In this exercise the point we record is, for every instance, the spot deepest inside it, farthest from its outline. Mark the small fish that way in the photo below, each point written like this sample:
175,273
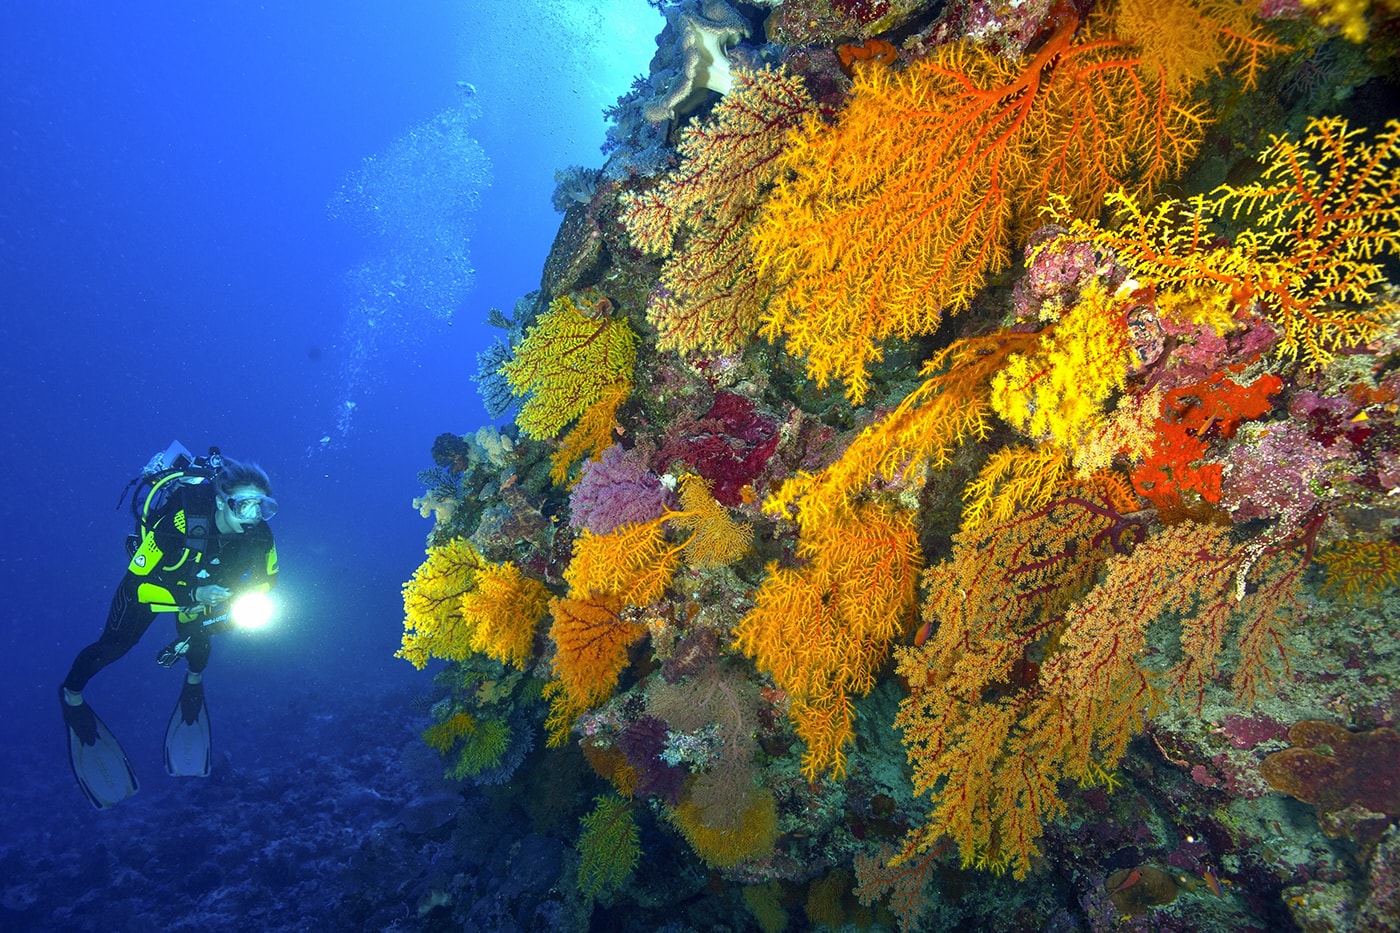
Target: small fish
1130,879
1212,882
923,633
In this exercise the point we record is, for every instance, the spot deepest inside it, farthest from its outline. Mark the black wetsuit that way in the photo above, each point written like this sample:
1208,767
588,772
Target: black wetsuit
165,570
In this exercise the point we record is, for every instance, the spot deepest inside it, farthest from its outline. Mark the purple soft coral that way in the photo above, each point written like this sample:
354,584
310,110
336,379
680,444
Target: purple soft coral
641,743
616,490
1280,474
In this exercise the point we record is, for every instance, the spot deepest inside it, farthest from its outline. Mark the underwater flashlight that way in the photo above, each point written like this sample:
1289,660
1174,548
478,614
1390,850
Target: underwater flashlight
251,610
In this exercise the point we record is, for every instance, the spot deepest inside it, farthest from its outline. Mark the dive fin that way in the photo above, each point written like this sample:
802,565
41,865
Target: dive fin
99,764
187,745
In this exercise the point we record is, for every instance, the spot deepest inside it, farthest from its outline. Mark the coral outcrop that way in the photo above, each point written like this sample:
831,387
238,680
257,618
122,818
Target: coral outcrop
988,427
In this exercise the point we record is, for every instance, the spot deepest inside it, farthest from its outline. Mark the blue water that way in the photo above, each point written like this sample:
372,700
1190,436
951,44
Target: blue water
276,228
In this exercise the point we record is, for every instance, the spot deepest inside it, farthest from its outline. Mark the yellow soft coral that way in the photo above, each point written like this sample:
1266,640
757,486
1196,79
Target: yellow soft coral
566,363
1059,392
1352,17
711,293
458,604
1315,229
503,611
823,629
753,835
899,211
432,602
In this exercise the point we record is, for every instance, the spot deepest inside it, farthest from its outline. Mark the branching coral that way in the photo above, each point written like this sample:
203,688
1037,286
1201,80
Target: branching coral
567,363
616,489
608,846
710,294
458,603
853,597
991,730
1317,224
898,212
432,601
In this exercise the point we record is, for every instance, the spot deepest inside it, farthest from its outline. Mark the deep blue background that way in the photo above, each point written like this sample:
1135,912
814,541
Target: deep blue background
169,270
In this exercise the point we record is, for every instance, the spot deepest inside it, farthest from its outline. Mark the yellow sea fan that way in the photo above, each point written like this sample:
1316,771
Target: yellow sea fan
1360,571
593,434
716,539
565,364
1315,229
632,564
1014,479
504,610
443,735
1188,41
753,836
433,622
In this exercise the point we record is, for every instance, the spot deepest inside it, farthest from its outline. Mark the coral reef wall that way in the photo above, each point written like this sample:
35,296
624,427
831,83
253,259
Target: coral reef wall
953,478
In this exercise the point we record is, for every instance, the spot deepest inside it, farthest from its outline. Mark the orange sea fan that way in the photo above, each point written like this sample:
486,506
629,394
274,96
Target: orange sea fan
899,211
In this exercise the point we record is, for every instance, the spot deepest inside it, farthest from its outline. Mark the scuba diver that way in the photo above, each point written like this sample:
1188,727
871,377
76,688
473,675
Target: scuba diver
201,543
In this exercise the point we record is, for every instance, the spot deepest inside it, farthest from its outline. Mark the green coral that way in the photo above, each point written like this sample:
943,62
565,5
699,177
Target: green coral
608,847
472,722
482,749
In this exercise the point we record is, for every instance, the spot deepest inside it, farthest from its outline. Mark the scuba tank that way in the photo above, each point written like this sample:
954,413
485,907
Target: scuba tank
162,475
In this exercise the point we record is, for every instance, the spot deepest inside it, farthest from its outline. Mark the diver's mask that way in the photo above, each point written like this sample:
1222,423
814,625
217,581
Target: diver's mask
248,509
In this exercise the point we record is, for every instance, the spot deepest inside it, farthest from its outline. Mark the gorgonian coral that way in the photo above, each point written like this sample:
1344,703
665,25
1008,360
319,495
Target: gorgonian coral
615,490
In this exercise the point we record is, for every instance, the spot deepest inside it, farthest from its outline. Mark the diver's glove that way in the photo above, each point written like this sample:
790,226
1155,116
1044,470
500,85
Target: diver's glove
211,595
173,651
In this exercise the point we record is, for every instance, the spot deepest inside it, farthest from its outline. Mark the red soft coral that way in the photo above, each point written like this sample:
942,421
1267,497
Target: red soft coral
729,445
